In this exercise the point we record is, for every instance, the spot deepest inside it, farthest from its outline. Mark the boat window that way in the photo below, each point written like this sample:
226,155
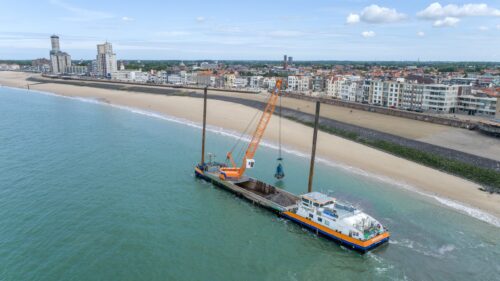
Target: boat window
327,222
316,205
320,219
305,201
311,216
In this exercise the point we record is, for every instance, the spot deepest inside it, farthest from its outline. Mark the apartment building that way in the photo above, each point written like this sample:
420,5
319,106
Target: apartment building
478,103
412,96
59,60
298,83
332,87
303,84
106,60
268,83
376,93
292,83
318,83
440,98
385,93
77,69
256,82
229,80
130,76
240,82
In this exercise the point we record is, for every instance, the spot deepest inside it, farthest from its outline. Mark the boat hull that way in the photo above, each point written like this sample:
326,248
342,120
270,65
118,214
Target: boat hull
349,242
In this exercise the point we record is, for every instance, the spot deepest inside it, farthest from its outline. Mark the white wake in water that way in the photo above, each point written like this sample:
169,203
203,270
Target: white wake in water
463,208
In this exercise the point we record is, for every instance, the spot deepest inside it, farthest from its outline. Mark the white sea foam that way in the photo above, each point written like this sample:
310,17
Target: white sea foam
459,206
446,248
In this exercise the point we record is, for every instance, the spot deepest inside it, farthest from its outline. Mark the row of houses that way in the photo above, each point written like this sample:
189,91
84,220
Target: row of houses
410,95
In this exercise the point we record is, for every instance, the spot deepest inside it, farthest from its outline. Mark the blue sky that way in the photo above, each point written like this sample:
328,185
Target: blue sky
254,30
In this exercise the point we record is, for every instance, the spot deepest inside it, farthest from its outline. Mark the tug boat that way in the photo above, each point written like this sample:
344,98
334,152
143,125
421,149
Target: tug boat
318,212
338,221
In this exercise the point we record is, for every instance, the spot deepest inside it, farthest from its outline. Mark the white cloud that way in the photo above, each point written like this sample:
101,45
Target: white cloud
376,14
127,19
446,22
483,28
368,34
436,11
352,18
200,19
420,34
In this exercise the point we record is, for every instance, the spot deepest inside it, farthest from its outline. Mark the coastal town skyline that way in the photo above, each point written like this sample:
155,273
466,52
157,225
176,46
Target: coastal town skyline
363,30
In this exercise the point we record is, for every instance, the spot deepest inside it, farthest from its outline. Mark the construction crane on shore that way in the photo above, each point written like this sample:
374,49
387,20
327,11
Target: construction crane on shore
235,172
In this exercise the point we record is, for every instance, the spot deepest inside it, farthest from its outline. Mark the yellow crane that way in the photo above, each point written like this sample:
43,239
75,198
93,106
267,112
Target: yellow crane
235,172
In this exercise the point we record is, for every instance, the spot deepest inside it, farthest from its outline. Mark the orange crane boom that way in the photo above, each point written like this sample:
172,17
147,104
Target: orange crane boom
237,172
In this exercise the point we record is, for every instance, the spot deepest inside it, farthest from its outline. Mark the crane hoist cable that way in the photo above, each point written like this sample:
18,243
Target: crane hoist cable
280,173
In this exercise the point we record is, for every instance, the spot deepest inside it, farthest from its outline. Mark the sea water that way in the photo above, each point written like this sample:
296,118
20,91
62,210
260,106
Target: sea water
90,191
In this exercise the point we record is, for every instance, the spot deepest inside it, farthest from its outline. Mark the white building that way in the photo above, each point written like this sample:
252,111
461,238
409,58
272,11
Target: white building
229,80
240,82
440,98
130,76
292,83
303,84
412,96
77,69
173,79
348,88
59,61
268,83
256,82
385,93
477,103
298,83
9,67
106,60
394,90
332,87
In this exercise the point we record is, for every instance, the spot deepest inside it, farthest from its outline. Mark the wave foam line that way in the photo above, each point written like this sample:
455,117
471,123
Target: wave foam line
459,206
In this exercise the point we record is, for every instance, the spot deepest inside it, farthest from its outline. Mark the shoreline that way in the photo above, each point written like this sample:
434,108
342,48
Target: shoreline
446,189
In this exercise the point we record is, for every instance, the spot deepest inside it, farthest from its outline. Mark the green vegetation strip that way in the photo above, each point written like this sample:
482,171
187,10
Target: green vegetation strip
490,179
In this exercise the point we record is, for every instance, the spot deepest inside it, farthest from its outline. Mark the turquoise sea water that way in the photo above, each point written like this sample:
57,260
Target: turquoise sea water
92,192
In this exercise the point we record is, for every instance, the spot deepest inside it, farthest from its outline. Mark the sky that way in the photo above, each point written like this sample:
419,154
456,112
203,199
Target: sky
255,30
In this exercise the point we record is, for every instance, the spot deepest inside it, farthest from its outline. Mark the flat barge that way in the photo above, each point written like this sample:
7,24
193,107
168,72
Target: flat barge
319,213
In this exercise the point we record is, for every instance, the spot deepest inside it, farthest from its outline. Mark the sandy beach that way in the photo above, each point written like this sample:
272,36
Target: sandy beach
236,117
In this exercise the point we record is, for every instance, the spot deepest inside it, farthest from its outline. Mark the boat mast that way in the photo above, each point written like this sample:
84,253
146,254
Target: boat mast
204,125
313,153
